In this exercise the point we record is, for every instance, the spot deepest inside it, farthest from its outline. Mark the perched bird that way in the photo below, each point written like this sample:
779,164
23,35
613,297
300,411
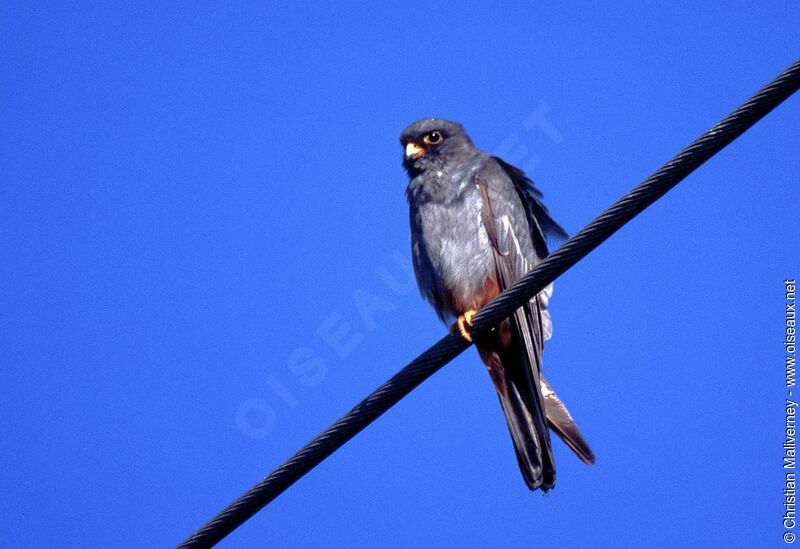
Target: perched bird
477,225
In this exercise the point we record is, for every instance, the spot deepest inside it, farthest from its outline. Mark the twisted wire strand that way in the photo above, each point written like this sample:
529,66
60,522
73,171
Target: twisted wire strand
450,346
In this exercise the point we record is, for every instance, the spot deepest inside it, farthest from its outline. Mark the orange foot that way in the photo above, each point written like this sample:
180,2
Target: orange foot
463,324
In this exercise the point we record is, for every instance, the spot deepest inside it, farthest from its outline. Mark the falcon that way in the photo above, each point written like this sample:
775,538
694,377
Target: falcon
478,224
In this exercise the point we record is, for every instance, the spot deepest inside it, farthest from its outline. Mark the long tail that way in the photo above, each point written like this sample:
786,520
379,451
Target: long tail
513,360
529,402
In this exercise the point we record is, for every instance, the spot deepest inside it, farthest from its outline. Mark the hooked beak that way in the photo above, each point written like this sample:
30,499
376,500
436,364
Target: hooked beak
413,151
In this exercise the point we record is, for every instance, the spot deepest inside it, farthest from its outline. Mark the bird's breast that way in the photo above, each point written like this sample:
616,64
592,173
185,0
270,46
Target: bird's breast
458,250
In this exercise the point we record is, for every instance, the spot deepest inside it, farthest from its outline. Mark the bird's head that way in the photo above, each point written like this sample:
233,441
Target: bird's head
430,143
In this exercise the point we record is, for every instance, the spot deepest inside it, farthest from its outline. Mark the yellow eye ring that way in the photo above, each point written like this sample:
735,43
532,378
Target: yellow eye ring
432,138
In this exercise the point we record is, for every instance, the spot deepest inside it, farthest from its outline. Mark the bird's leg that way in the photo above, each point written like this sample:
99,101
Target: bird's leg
463,325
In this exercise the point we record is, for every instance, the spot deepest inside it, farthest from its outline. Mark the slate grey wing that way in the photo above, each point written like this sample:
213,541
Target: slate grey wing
515,219
543,228
514,354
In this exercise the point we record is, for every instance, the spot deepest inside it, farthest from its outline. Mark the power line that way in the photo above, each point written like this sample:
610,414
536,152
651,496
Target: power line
450,346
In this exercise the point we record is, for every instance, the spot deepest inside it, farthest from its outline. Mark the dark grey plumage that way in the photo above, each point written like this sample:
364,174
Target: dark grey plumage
477,225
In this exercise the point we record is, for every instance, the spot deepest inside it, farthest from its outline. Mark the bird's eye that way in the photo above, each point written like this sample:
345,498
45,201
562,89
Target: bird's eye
432,138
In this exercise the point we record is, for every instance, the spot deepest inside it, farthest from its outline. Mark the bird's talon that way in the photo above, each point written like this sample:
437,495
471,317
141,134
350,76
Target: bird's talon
464,323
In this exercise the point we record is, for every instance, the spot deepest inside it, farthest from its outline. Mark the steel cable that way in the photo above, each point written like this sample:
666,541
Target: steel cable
450,346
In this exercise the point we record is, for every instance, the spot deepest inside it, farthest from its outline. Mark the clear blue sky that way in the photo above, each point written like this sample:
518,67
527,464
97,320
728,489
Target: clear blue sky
191,195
